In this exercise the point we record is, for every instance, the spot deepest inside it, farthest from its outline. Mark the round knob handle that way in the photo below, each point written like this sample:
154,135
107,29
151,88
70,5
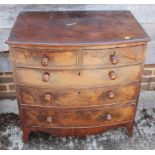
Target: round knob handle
44,61
114,59
108,117
46,77
110,95
26,53
47,97
112,75
49,119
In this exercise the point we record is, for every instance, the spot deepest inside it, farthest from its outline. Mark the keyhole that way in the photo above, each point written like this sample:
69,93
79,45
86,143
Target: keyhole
79,92
114,53
44,56
79,73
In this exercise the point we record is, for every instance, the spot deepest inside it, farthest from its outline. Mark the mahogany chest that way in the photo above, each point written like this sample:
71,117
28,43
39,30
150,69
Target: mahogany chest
77,73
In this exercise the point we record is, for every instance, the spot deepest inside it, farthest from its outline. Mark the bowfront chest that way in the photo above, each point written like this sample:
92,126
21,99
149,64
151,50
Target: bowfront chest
77,73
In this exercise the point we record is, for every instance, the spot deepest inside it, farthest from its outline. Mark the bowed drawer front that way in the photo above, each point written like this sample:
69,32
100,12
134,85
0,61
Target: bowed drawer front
79,97
38,58
104,57
78,78
77,118
77,73
114,56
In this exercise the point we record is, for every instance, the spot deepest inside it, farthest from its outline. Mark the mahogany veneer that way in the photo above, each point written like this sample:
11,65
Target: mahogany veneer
77,73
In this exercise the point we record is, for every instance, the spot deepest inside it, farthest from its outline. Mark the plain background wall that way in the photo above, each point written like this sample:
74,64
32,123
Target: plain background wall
145,14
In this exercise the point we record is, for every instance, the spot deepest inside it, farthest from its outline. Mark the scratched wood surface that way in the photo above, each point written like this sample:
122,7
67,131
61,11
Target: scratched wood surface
68,28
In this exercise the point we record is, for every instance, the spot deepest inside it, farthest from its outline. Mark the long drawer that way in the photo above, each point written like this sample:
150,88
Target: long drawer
78,97
77,118
78,78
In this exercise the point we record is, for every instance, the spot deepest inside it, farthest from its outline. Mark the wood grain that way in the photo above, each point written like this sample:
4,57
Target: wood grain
77,73
127,55
34,57
78,28
76,118
78,78
78,97
57,58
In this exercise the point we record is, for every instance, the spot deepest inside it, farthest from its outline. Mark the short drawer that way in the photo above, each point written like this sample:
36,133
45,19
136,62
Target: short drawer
78,78
41,58
77,118
111,57
78,97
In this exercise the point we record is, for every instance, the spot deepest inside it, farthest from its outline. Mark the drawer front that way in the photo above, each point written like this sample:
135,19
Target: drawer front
43,57
78,78
77,118
117,56
78,97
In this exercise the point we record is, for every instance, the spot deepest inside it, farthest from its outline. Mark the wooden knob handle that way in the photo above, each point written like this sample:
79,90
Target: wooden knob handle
114,59
26,53
110,94
104,117
112,75
108,117
49,119
46,77
44,61
47,97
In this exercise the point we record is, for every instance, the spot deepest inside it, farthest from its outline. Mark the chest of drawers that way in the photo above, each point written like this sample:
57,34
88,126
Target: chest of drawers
77,73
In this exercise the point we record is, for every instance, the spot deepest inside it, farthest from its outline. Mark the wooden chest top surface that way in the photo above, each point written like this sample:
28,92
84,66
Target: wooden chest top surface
74,28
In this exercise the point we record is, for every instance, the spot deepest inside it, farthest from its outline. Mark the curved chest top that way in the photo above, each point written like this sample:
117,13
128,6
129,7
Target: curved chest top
74,28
